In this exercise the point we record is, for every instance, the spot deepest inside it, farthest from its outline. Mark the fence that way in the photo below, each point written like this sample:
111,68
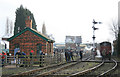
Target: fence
36,60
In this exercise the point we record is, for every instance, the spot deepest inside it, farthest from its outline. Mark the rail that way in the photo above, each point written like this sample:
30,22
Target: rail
96,67
86,71
109,69
60,68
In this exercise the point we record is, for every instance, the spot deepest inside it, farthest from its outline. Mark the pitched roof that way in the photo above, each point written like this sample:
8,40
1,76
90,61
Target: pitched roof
33,31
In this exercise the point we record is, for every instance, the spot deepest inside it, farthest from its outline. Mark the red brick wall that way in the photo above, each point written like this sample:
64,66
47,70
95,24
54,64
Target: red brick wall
28,41
50,48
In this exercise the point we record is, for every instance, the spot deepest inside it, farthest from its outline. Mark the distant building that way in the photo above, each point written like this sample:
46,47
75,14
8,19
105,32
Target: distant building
30,39
2,46
59,45
71,42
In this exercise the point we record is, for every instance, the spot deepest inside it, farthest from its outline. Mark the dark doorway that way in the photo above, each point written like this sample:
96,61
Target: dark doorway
39,48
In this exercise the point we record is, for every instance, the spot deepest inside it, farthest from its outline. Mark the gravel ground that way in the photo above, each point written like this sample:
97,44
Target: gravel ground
116,73
80,67
76,68
52,68
102,69
11,71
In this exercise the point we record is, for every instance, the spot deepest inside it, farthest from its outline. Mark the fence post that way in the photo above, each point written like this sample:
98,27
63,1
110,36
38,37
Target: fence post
24,61
60,57
40,58
16,61
57,58
5,59
32,60
50,59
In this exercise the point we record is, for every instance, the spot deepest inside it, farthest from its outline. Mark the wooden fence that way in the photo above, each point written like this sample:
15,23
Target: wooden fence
34,60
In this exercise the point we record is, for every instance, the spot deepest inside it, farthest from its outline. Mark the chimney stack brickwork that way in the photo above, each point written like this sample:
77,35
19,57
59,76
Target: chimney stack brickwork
28,22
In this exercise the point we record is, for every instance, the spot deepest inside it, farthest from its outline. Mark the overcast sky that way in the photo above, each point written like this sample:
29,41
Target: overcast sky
66,17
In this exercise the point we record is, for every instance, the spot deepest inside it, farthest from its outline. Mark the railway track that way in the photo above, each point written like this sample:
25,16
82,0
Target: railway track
110,70
56,69
48,69
39,70
76,68
49,72
68,70
98,71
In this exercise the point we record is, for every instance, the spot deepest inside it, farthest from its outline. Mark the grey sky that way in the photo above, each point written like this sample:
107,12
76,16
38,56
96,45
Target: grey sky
65,17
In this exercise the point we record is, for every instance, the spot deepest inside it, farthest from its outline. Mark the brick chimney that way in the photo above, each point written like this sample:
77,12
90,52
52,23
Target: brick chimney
28,22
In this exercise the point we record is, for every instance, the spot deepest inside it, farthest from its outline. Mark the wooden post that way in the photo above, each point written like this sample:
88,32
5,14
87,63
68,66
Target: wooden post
57,58
32,60
5,60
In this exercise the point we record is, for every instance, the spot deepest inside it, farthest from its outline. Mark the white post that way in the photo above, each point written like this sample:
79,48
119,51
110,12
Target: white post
93,41
94,36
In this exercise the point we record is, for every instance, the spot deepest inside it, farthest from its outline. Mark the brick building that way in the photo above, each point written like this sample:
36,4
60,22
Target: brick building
30,39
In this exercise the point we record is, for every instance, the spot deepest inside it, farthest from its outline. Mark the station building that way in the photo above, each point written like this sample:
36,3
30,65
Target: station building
30,39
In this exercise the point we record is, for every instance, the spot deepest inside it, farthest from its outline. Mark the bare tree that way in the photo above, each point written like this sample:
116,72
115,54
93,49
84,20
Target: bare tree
7,27
44,29
11,27
114,28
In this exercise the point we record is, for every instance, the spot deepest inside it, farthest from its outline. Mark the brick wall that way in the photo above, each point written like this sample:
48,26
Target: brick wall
28,41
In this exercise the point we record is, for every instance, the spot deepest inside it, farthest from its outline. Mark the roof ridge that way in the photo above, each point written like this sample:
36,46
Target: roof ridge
41,34
33,31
